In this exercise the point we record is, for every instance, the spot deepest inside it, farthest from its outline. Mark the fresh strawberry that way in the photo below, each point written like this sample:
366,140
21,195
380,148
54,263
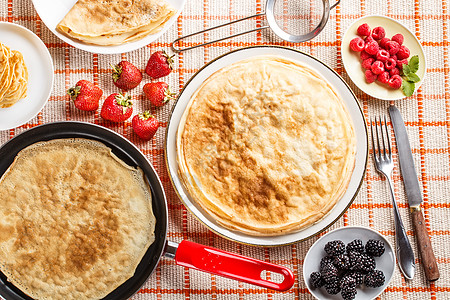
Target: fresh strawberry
145,125
158,93
85,95
159,65
117,107
125,75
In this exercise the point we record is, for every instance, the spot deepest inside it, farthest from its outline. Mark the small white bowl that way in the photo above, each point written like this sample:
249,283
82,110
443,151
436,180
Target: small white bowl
352,62
385,262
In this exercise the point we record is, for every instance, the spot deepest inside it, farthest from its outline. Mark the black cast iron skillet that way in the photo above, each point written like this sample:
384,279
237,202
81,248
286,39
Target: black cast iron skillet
186,253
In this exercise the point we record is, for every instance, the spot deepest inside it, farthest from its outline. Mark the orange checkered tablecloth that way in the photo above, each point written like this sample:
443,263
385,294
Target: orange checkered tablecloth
427,116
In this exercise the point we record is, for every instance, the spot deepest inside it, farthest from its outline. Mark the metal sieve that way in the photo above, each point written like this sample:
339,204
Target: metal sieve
293,21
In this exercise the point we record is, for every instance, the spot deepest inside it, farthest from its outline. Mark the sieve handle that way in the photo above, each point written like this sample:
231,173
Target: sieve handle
178,49
335,4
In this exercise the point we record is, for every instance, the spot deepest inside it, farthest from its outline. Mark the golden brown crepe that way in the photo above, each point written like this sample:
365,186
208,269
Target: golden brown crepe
266,146
114,22
75,220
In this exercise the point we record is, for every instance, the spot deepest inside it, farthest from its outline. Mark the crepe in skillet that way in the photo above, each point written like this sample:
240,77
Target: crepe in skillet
75,220
114,22
266,146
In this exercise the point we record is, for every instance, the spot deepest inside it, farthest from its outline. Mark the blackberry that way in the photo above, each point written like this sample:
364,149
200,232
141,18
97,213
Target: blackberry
342,262
329,273
366,264
355,245
348,283
325,260
332,287
359,277
349,294
375,247
374,279
354,260
316,280
334,248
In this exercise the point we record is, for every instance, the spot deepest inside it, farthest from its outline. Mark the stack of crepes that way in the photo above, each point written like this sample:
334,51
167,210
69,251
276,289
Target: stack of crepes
266,146
13,76
114,22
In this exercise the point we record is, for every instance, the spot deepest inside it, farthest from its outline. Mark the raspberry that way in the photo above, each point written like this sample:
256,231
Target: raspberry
395,82
377,67
394,57
383,42
378,33
392,47
357,44
402,62
382,55
364,55
363,30
390,64
370,77
369,39
383,77
403,52
394,71
398,38
371,48
367,64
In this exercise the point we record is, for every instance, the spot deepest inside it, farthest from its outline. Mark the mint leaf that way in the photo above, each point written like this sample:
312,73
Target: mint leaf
414,64
408,87
406,70
413,77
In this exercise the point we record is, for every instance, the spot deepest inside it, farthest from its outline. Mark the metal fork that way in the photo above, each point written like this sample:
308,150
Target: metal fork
384,164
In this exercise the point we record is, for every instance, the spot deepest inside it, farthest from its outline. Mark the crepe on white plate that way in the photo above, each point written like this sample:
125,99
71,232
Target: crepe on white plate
266,146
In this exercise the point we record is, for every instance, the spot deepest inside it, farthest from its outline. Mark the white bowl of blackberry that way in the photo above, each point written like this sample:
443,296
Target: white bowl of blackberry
349,263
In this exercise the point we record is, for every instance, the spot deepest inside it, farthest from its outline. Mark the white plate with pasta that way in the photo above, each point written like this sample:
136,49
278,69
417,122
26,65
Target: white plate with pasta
39,84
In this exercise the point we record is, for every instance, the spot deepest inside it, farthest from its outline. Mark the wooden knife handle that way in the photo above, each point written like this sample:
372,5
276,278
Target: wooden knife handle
426,251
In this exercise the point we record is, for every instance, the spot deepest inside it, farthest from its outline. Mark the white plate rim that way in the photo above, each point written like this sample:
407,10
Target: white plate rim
388,247
352,75
205,219
47,61
115,49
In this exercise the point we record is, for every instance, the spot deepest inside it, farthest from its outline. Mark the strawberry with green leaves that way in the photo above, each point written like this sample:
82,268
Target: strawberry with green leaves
158,93
145,125
117,107
125,75
85,95
159,65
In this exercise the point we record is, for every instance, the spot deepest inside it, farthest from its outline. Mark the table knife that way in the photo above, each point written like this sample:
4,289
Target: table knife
413,194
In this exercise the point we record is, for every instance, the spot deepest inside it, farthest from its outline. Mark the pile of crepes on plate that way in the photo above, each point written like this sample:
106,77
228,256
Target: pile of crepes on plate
110,22
266,146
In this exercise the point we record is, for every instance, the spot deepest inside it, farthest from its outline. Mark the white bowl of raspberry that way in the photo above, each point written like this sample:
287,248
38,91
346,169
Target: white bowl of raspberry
383,58
348,263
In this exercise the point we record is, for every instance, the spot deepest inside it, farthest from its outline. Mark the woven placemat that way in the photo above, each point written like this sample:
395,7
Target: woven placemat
426,113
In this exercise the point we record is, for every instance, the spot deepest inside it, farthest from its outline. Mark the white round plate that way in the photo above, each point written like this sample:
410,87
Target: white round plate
40,74
52,12
385,262
356,116
352,62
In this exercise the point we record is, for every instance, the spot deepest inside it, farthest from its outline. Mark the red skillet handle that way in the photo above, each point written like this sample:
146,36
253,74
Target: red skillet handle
234,266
